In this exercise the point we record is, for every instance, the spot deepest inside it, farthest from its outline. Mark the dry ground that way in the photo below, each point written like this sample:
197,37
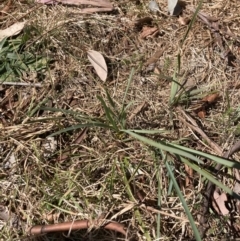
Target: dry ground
84,175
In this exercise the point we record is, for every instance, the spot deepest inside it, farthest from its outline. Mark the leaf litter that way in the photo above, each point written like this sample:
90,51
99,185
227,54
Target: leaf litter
27,119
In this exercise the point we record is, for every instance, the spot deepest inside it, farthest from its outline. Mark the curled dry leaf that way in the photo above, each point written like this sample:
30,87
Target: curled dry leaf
101,5
15,29
98,63
220,200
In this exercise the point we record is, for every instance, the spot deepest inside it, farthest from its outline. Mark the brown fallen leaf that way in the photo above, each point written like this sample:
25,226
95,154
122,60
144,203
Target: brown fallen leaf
219,203
201,106
211,98
148,31
99,64
98,3
201,114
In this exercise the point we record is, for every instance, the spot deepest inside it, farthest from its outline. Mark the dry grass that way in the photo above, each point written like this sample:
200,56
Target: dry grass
41,187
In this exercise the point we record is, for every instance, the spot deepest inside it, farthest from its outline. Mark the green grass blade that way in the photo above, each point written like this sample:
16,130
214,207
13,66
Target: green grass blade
159,195
126,91
208,176
150,131
112,103
75,127
190,218
109,113
221,160
36,108
163,146
2,42
174,88
192,21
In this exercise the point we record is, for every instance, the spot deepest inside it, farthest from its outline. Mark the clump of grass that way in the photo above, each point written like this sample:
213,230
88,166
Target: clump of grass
15,61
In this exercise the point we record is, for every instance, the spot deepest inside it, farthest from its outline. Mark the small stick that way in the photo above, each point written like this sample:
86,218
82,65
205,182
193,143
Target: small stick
21,84
195,127
75,225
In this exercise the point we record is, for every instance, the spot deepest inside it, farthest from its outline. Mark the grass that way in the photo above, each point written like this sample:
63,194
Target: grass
78,148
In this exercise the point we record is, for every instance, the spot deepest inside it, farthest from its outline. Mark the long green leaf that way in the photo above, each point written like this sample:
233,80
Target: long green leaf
192,21
111,101
109,113
163,146
75,127
221,160
150,131
195,230
174,88
126,91
210,178
185,151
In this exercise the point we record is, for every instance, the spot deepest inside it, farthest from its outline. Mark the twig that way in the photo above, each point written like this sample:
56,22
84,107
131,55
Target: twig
21,84
154,210
195,127
76,225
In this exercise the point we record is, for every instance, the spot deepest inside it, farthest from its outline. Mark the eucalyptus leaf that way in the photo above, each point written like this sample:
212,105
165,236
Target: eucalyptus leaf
173,7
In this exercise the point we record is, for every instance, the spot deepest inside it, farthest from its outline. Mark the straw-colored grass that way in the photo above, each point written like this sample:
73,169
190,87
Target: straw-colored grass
68,148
